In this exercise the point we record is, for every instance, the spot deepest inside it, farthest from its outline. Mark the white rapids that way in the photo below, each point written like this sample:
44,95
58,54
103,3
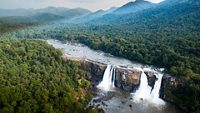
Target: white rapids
108,79
144,100
144,93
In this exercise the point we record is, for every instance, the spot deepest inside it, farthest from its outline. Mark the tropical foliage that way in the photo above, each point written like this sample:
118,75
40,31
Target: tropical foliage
34,78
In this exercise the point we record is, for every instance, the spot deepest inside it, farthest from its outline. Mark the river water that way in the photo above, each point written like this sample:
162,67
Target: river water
116,100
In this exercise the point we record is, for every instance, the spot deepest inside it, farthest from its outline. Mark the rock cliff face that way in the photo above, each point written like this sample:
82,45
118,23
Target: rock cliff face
151,78
127,79
96,70
170,87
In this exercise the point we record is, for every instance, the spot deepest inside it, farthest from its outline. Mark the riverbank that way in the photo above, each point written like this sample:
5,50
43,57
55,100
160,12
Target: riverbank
96,62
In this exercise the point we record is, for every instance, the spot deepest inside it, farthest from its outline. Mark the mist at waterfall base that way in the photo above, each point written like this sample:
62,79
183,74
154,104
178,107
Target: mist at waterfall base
115,100
144,93
108,79
144,100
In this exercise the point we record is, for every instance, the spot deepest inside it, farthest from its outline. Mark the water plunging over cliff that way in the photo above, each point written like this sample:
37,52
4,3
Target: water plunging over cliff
144,90
156,91
144,93
119,100
108,79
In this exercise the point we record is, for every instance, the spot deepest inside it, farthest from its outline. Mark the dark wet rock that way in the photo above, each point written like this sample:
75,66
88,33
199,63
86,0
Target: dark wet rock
98,106
104,104
96,100
127,79
130,106
123,102
151,78
170,87
96,70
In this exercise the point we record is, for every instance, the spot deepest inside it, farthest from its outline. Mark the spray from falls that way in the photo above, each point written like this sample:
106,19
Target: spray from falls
145,93
144,89
114,74
155,91
108,81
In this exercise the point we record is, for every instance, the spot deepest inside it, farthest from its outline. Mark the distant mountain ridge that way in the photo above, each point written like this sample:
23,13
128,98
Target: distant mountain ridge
102,16
65,12
94,15
44,14
134,7
15,12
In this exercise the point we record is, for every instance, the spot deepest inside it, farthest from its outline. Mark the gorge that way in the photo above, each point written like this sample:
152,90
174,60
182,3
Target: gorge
134,56
119,83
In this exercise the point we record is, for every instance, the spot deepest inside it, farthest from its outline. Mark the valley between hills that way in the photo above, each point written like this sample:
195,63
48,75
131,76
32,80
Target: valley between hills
131,58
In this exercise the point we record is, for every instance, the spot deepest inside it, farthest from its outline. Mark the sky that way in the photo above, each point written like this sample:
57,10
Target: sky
92,5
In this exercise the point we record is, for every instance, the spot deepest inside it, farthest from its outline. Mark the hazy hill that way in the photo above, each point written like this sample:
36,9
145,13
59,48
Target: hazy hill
65,12
113,14
93,15
12,19
135,6
15,12
104,16
50,11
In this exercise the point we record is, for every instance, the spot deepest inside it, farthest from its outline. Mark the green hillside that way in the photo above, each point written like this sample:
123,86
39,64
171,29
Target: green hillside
34,78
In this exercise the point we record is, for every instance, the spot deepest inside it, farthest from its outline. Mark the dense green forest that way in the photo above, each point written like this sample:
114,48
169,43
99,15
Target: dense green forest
177,53
180,56
12,24
34,78
164,36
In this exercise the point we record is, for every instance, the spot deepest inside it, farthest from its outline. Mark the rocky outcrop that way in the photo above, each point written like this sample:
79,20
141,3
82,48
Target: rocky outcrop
170,87
127,79
96,70
151,76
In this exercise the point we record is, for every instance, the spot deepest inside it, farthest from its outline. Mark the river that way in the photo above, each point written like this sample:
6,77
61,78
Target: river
116,100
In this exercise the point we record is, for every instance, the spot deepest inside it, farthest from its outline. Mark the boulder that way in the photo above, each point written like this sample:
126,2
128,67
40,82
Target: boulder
127,79
151,76
95,69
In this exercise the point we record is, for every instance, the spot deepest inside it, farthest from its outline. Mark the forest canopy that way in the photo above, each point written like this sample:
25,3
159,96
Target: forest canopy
34,78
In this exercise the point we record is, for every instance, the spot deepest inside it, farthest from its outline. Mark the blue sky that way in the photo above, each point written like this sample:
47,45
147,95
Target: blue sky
88,4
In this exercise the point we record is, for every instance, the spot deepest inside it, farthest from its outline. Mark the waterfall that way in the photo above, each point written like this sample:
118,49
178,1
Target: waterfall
144,92
144,89
113,81
156,91
108,79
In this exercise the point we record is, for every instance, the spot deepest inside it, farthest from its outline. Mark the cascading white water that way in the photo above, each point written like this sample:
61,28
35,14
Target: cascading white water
107,81
156,90
144,89
113,81
144,92
120,100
